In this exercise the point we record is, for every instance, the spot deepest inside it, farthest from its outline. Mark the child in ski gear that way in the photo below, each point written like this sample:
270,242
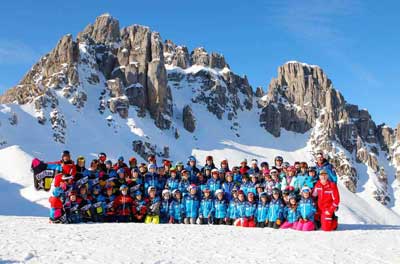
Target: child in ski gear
173,181
224,165
206,209
192,205
151,179
201,183
176,208
228,186
123,205
209,164
57,214
240,209
275,210
291,213
328,198
214,183
246,185
72,207
109,198
232,211
139,208
184,183
303,179
153,207
250,210
220,208
306,209
262,210
165,203
289,182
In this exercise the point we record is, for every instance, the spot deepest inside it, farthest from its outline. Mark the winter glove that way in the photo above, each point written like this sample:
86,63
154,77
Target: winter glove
278,222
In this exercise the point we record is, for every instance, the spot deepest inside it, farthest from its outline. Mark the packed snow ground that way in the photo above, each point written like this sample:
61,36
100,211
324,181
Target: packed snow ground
32,240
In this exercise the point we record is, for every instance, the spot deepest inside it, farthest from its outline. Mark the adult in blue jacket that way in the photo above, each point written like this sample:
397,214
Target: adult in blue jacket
323,165
192,169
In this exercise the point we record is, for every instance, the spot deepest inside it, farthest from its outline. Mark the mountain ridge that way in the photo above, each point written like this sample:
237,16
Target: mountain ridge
131,74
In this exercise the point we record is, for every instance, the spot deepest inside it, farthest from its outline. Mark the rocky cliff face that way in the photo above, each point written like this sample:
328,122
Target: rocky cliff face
132,71
303,97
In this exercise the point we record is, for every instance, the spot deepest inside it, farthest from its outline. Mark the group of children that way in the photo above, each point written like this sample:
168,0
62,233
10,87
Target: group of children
259,195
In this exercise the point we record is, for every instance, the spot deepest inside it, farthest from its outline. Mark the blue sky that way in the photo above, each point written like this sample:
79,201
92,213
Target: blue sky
356,42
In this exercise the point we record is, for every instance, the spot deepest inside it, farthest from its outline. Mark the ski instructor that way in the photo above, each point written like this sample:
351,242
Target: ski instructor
328,198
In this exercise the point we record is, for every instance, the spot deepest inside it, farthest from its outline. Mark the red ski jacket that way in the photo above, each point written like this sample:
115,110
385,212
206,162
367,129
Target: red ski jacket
327,195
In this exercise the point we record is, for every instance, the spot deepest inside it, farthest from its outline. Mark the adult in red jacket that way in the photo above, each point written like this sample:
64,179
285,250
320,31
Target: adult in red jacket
328,198
123,205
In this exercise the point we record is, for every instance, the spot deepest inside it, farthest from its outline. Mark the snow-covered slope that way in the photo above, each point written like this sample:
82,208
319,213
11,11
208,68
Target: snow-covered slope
29,240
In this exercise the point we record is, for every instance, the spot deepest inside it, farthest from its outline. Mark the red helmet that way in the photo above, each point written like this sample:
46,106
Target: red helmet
151,158
132,160
167,163
240,192
69,169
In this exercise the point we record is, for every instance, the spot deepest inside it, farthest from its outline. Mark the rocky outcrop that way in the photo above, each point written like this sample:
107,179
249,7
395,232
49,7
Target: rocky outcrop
189,121
302,97
104,31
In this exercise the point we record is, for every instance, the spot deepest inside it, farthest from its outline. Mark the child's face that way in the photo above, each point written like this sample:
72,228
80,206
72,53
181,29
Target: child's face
121,175
275,195
82,191
209,162
303,170
229,178
311,173
166,196
306,194
139,197
193,191
152,193
215,175
152,170
241,197
173,174
73,198
135,175
185,176
244,179
220,196
206,194
192,163
254,179
250,197
178,195
109,192
264,199
292,201
234,194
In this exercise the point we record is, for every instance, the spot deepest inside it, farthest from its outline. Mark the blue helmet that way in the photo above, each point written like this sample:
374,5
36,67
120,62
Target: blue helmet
123,186
137,193
57,192
121,170
192,158
120,158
